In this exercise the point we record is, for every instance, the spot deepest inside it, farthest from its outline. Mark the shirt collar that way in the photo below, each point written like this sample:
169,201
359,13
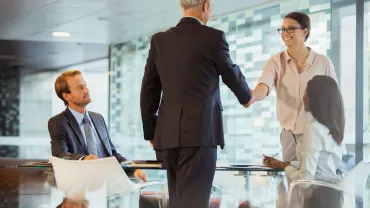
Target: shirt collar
196,19
78,116
309,59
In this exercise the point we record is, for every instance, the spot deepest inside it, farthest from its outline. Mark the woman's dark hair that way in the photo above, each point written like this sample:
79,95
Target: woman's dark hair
303,20
326,105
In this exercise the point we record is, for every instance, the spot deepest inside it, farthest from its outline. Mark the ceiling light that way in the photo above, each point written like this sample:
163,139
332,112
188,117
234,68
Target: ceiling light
61,34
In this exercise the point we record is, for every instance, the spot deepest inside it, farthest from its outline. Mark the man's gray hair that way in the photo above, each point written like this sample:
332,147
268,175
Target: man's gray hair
187,4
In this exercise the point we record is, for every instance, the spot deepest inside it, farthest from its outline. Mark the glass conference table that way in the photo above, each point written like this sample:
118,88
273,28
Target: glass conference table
33,186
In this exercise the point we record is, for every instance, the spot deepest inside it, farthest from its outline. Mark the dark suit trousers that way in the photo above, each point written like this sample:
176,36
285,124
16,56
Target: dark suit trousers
190,173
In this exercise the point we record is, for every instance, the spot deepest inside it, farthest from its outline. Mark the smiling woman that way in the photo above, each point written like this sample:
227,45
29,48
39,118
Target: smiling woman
295,21
288,71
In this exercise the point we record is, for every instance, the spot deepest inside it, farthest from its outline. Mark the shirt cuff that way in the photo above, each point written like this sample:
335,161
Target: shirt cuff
267,83
295,164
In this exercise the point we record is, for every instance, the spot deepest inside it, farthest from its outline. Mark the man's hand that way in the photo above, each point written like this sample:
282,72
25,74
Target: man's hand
91,157
151,143
250,102
140,176
274,163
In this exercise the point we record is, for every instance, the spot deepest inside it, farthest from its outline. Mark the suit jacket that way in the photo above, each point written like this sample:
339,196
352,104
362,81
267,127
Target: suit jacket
185,63
67,139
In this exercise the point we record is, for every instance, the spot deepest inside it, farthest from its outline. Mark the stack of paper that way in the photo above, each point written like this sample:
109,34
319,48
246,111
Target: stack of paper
37,164
143,164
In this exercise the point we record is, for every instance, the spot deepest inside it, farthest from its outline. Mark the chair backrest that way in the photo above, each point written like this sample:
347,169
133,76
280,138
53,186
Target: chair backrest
347,164
312,193
76,179
318,194
355,181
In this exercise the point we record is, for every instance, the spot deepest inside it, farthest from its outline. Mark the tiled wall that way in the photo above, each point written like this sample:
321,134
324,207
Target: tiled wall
126,70
9,108
252,38
9,151
35,103
9,101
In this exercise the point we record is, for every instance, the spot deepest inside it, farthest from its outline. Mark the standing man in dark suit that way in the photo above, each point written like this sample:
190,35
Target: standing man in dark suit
180,101
78,134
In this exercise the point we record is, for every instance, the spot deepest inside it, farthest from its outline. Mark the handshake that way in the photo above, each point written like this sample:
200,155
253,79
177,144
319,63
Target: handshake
259,93
251,100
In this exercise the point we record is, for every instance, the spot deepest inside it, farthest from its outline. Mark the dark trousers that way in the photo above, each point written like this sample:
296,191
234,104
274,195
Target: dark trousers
145,203
324,197
190,173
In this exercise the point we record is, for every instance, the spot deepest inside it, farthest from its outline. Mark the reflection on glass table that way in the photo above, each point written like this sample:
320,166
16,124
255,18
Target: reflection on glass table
247,189
99,179
69,203
37,187
100,197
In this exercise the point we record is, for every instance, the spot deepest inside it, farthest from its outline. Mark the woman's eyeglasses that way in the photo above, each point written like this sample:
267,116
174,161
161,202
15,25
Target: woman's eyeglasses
289,29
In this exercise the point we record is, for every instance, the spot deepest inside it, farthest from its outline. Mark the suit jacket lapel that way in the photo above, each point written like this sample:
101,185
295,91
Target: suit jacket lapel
76,128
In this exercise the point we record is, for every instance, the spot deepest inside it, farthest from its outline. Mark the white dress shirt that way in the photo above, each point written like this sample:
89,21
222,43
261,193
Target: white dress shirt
196,19
281,72
318,153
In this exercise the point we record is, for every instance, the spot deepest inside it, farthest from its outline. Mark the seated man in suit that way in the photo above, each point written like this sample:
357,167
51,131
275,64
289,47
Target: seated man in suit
76,133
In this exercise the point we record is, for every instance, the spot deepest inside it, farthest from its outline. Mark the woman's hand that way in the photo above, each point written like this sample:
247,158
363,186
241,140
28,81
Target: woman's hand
274,163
